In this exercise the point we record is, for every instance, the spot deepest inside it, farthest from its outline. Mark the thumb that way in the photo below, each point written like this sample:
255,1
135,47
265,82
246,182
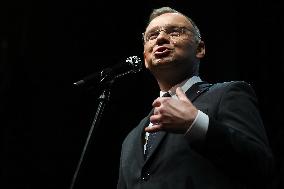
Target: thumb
181,95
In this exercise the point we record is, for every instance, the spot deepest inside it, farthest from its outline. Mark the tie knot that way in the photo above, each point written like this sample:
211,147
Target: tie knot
167,94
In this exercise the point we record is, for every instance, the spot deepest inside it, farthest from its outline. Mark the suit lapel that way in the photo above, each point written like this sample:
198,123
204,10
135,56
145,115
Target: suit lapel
160,136
196,90
139,152
192,93
146,123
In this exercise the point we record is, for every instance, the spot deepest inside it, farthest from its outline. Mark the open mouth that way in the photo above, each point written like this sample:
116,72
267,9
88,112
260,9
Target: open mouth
162,52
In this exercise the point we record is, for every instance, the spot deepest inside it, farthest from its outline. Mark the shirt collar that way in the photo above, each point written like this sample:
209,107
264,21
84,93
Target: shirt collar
185,85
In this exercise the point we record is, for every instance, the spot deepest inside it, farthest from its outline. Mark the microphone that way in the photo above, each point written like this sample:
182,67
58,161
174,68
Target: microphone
131,65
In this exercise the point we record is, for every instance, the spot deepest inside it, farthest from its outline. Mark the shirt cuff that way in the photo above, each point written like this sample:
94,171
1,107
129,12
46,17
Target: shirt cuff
199,127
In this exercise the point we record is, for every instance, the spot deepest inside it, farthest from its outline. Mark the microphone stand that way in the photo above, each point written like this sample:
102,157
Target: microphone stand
103,99
107,78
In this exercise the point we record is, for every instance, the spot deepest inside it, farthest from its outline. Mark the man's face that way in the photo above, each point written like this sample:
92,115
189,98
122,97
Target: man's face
170,43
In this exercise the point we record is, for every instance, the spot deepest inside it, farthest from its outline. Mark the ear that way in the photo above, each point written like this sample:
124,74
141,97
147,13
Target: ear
200,51
145,61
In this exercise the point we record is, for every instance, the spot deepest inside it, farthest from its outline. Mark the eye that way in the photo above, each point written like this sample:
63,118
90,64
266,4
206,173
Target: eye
175,32
152,35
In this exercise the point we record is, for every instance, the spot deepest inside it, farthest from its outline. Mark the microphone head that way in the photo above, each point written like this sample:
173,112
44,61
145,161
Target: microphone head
134,61
134,65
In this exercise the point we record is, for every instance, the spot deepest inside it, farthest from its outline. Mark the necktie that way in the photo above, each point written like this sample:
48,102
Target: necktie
151,137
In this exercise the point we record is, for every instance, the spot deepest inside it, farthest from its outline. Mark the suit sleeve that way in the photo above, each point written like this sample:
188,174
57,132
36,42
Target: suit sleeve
121,182
236,138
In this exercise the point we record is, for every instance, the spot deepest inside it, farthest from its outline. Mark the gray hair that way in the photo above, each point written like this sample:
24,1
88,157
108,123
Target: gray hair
157,12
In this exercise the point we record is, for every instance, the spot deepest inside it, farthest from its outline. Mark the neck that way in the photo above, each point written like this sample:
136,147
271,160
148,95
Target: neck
167,77
167,82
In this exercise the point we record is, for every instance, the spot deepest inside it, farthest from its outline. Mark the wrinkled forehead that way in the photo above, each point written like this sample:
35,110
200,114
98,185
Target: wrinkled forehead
169,19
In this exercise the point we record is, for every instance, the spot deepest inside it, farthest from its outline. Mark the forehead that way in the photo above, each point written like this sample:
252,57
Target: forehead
169,19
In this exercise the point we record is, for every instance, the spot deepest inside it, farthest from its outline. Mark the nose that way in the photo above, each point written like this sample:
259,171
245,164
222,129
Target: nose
163,33
163,37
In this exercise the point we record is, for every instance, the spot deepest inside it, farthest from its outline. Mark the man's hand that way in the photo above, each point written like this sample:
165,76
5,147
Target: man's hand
172,115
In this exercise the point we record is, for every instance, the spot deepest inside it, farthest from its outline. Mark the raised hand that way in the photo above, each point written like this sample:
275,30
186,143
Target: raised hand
172,115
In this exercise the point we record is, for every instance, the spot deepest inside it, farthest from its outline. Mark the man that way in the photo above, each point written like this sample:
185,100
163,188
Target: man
203,135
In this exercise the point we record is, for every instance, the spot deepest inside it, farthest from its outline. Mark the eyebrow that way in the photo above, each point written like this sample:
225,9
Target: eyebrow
166,26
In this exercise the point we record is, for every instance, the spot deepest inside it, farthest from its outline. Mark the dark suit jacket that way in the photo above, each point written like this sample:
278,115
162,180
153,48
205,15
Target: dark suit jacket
234,154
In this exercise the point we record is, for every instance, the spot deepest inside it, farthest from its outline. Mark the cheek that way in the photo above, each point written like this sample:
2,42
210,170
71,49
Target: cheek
147,52
147,57
148,48
185,48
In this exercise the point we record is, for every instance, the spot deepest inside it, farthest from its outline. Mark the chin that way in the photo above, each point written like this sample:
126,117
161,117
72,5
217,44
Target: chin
163,61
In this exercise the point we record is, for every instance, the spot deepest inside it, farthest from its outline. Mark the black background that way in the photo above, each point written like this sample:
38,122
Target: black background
48,45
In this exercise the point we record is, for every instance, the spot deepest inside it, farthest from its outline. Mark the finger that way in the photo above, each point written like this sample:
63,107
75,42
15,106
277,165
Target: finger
155,119
181,95
156,111
153,128
157,102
